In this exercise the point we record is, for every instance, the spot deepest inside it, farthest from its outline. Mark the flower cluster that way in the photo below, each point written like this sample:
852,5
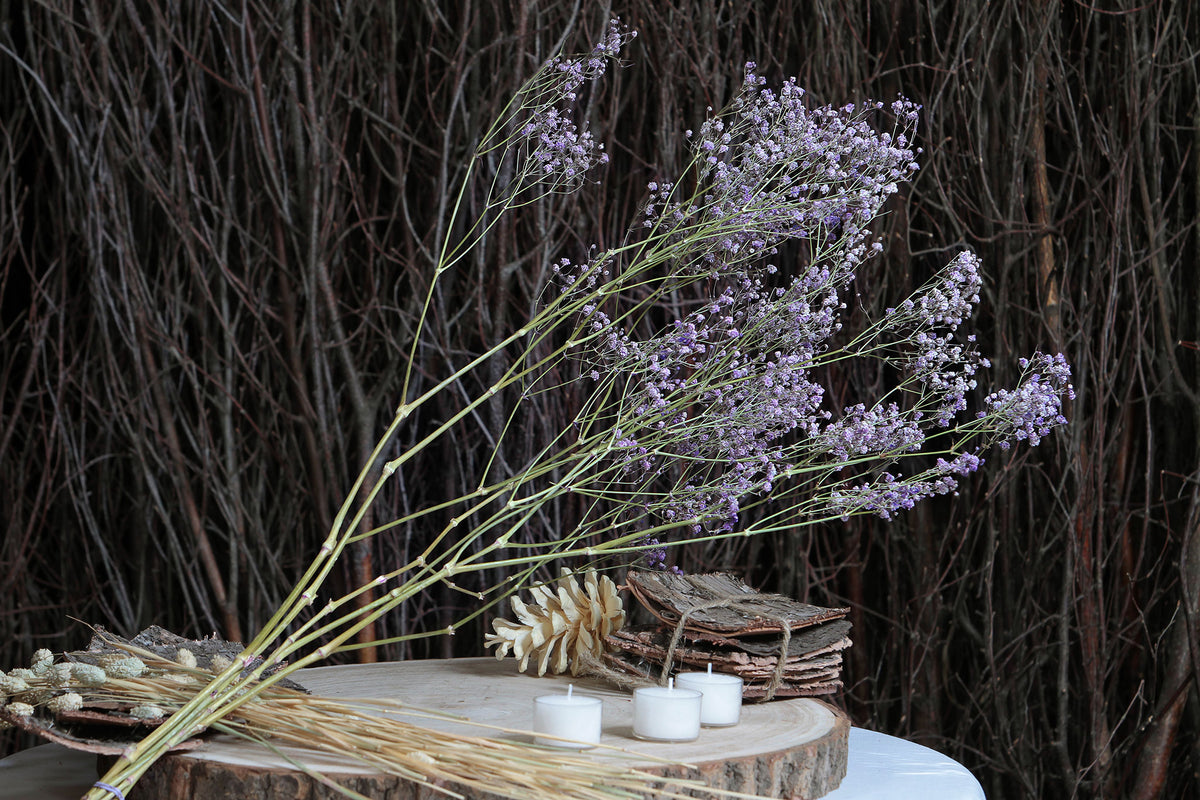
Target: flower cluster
742,364
885,495
1026,413
771,169
723,403
558,148
1034,408
556,153
875,431
58,687
926,325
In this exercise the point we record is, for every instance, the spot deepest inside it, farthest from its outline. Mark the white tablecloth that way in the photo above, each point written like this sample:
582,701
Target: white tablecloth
881,768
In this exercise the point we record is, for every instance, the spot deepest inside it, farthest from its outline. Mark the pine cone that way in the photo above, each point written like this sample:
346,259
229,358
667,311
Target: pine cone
558,626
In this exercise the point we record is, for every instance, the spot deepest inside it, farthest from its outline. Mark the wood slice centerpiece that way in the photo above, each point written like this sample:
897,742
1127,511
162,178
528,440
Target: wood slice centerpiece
785,749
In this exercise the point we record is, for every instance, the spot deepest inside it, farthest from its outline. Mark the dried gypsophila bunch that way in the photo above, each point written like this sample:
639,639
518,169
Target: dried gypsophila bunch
562,627
727,407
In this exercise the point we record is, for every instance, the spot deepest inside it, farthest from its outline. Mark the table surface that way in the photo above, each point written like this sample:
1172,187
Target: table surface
881,767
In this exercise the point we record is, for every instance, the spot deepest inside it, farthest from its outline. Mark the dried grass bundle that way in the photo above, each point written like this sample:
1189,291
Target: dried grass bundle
381,735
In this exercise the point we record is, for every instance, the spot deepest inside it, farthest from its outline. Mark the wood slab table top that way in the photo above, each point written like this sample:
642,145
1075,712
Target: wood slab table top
793,748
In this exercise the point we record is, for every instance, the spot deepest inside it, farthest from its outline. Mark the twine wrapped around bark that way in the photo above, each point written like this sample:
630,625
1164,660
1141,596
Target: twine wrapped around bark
736,602
593,667
723,611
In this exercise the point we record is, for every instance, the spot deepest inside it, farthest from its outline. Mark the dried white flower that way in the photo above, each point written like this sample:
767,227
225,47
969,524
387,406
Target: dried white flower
147,712
185,658
13,684
559,626
59,675
35,696
120,666
20,709
219,663
88,674
41,662
65,702
22,673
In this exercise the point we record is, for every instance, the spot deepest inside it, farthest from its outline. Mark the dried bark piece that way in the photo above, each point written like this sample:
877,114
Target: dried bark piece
167,645
652,642
642,651
785,690
721,604
107,732
809,685
833,634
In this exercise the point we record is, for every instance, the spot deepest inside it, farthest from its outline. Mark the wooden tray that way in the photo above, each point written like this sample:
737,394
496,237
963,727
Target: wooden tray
784,749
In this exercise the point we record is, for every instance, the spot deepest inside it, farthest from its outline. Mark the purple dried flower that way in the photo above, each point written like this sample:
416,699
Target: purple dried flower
1034,408
556,152
723,403
875,431
884,496
953,297
656,557
772,169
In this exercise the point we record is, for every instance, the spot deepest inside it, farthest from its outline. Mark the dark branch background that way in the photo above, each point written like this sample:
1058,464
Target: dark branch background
215,232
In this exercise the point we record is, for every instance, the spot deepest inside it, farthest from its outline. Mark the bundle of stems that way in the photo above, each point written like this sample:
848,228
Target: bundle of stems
713,413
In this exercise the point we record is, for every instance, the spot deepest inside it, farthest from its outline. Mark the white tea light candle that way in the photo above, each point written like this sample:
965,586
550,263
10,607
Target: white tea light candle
666,715
569,716
721,705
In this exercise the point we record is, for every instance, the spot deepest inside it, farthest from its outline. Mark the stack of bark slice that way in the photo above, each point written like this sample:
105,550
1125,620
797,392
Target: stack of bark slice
717,619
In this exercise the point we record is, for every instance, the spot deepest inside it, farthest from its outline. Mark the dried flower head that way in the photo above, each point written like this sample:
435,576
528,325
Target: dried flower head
42,661
20,709
554,152
147,711
88,674
122,666
13,684
64,703
59,675
560,627
185,658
